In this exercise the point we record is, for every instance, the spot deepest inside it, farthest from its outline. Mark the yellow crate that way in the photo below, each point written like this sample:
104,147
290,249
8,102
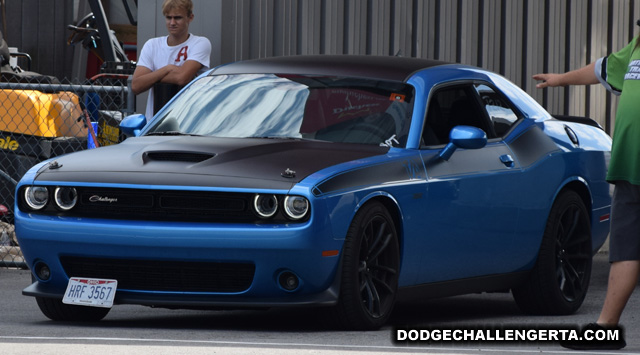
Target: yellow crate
40,114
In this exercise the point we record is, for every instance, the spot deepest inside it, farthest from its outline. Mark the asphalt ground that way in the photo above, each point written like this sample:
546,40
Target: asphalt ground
143,330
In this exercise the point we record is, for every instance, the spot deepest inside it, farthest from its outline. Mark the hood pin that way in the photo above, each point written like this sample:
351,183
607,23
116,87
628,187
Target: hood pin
289,173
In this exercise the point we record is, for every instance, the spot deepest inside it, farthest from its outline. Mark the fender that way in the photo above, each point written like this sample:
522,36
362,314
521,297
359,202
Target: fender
571,181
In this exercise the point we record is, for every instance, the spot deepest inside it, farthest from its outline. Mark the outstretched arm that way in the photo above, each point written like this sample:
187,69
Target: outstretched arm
583,76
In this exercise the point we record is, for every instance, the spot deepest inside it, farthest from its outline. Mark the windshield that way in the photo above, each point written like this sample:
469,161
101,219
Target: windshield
334,109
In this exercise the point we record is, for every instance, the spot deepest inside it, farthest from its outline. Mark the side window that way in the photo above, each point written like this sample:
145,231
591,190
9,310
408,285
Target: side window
498,109
453,106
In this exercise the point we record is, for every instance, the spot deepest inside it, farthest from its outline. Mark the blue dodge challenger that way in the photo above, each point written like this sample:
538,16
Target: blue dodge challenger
349,182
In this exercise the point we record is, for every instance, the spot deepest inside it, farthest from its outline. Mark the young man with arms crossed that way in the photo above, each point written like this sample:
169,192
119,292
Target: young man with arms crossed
173,59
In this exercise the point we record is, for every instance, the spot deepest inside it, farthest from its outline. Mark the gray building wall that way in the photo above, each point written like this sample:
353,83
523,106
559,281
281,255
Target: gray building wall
39,28
516,38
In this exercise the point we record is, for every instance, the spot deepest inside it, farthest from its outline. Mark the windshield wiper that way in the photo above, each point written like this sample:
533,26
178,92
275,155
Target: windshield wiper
171,133
274,137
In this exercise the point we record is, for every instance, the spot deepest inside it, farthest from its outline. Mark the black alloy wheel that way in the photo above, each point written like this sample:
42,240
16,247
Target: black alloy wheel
55,310
559,281
370,268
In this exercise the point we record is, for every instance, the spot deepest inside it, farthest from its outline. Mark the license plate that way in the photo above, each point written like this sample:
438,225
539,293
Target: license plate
82,291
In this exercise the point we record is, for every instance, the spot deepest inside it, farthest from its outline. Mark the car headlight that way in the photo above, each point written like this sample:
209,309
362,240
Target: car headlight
65,198
296,207
265,205
36,197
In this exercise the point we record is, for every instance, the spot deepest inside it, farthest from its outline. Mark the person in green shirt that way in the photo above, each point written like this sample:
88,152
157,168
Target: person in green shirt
620,73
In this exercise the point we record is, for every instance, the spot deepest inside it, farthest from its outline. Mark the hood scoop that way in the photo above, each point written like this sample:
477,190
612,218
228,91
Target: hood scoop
176,156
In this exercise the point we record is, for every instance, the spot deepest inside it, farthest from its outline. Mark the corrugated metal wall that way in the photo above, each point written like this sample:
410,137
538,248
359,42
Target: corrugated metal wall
39,28
516,38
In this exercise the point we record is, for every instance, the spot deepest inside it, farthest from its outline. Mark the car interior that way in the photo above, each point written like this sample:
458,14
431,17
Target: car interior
462,105
351,116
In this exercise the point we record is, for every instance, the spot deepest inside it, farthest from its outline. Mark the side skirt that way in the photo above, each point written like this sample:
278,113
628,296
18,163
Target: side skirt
493,283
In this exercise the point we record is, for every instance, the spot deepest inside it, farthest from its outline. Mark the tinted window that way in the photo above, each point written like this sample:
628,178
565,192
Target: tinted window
476,105
498,109
450,107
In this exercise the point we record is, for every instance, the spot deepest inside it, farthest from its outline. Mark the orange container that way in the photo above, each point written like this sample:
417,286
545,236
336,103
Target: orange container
41,114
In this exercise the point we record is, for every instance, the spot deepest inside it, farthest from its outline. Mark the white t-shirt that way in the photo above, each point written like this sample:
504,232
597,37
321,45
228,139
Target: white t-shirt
156,53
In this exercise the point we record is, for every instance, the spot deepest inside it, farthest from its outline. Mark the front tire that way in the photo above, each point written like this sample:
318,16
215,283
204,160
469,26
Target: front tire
559,281
370,266
55,310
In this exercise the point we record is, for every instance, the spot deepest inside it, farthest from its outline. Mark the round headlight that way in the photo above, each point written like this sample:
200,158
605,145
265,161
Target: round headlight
265,205
36,197
296,207
66,197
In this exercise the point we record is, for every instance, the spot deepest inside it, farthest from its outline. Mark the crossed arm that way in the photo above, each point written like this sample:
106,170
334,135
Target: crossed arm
144,78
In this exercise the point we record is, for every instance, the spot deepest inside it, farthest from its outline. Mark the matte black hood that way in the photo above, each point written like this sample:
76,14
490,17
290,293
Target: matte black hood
205,161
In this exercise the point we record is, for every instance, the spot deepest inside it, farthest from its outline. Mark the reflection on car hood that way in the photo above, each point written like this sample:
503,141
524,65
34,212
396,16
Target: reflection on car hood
205,161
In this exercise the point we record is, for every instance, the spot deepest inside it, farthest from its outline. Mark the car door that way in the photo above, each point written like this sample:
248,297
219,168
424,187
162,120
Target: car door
473,199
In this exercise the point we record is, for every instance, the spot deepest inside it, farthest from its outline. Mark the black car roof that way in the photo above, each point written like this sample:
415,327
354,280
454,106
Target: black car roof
377,67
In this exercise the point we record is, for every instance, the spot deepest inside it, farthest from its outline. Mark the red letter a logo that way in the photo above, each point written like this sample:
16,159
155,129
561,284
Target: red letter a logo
182,54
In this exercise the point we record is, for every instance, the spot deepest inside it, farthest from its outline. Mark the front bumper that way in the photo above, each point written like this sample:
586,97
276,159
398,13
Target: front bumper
271,249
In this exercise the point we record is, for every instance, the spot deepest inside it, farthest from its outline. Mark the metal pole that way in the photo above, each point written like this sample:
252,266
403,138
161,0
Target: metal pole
131,97
64,87
103,30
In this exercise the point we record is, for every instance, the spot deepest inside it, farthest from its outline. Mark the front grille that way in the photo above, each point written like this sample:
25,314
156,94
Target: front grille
164,205
203,203
168,276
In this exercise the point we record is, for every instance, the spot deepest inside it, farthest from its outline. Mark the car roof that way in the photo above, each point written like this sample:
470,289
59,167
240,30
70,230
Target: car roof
366,66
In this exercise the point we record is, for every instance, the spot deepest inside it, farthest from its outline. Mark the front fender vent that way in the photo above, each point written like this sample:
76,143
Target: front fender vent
187,157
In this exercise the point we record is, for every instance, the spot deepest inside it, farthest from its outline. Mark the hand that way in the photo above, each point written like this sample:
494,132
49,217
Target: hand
547,80
169,68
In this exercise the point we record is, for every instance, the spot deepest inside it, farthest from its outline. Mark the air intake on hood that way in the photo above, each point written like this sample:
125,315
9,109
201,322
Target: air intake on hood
189,157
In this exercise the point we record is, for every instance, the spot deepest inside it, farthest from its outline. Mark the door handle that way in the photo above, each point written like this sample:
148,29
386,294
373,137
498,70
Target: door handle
507,160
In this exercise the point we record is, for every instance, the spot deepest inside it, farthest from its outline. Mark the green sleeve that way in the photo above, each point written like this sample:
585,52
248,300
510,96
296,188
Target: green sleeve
617,65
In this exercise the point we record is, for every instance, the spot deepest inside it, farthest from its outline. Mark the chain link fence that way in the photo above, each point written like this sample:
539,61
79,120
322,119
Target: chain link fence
41,118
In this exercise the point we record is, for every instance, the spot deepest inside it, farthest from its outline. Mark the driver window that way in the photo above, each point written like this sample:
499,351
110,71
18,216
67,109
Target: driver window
453,106
500,113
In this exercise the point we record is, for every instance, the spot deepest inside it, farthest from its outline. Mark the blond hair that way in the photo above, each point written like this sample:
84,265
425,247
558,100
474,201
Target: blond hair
169,5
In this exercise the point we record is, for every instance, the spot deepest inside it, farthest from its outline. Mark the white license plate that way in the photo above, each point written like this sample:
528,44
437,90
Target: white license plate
82,291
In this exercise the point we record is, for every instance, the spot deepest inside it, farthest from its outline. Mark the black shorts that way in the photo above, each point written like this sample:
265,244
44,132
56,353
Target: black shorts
624,239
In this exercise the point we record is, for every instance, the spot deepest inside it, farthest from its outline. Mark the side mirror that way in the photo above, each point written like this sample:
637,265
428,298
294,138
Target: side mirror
132,125
466,137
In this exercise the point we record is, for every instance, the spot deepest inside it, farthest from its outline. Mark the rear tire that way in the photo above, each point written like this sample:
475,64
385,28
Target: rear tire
370,266
55,310
559,281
